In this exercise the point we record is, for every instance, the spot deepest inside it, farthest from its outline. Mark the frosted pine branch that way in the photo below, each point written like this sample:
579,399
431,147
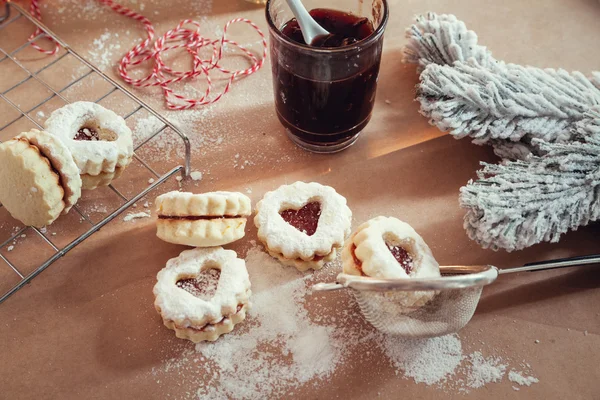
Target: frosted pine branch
596,79
518,204
511,102
465,91
443,39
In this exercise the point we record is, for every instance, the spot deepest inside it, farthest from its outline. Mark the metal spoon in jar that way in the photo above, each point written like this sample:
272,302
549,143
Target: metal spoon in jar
309,27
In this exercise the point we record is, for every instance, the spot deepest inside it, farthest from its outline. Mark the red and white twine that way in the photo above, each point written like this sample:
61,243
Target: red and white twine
34,10
185,35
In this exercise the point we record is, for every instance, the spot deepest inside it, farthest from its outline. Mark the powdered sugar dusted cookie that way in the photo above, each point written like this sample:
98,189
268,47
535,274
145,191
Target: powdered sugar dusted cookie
203,293
98,138
202,220
303,224
30,188
61,161
385,247
91,182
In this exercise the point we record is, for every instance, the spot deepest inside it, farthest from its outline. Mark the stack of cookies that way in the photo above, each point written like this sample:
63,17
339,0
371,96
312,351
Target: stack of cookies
42,173
195,306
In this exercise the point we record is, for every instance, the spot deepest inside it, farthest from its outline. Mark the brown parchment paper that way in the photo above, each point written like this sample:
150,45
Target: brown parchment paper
86,327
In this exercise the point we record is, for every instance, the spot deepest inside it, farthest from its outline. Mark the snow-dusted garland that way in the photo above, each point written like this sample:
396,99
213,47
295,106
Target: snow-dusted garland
545,123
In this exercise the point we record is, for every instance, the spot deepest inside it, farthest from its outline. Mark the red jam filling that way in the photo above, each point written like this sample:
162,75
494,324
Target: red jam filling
402,256
305,219
197,217
89,134
205,327
203,286
357,262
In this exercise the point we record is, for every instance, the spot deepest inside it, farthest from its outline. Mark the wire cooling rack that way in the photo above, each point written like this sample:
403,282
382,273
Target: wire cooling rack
32,85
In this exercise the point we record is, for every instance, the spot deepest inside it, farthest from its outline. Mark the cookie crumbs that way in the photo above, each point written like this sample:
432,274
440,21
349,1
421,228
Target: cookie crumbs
388,102
10,248
33,190
151,181
536,341
23,235
196,175
132,216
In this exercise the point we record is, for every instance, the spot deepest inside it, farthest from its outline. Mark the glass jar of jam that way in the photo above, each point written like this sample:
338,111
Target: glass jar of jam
325,91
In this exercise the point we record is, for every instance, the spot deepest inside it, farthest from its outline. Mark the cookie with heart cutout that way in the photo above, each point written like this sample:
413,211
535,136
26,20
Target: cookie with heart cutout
202,220
303,224
203,293
387,248
38,178
100,140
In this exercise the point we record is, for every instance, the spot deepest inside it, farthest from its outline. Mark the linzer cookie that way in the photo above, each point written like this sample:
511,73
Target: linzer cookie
38,178
303,224
99,139
202,220
385,247
203,293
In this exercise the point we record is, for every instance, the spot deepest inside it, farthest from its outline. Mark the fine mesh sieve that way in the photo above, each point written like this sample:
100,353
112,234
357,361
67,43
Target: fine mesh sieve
420,308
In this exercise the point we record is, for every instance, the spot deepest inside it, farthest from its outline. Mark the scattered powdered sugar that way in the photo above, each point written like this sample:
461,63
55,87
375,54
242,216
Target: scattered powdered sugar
482,371
105,50
279,346
518,378
95,208
427,361
131,216
145,127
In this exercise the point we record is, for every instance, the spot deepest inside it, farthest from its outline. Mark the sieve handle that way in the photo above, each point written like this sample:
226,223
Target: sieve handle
327,287
551,264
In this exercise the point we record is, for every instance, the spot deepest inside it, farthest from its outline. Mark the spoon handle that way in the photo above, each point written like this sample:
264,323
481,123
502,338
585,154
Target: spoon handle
309,27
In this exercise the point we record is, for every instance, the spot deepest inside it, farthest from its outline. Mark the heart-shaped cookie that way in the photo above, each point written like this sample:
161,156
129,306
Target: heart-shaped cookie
388,248
303,224
184,298
99,139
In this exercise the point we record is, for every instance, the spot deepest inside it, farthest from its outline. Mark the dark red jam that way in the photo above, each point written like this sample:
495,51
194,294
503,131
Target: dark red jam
402,256
305,219
203,286
344,28
316,107
87,134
